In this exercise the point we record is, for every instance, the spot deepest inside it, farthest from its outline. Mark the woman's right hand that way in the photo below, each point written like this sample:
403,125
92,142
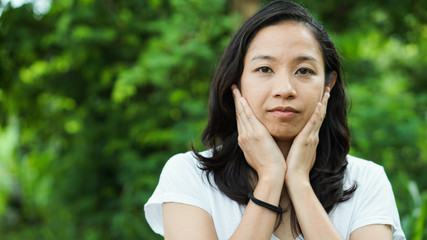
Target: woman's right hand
260,150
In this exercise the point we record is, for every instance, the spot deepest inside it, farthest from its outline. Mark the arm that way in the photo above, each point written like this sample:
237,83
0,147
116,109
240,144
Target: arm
313,219
189,222
258,222
374,231
315,222
263,154
182,221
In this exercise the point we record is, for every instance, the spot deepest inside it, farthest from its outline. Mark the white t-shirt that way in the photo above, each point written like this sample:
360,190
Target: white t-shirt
183,181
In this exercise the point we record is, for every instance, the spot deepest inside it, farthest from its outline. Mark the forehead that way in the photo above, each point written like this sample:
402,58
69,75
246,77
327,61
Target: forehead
285,40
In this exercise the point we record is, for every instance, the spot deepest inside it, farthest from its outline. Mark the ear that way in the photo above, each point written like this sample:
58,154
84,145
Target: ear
332,79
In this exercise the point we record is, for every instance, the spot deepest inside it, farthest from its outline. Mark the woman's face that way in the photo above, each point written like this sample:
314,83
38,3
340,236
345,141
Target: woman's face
283,78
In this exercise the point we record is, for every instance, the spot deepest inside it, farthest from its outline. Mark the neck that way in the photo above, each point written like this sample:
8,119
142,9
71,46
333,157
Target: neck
284,147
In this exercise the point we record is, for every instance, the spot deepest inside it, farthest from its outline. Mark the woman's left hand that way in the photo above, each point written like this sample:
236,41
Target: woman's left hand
302,154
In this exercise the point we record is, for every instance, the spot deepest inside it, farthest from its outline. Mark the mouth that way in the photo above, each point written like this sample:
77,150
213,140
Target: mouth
283,112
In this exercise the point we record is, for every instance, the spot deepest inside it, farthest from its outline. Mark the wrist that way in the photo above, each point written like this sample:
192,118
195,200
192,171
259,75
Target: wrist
274,208
298,189
272,176
270,182
269,189
297,181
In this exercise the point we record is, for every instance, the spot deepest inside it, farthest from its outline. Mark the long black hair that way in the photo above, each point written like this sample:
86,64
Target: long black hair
227,164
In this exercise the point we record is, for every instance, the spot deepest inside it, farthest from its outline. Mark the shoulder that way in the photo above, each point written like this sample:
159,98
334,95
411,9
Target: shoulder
181,160
358,164
363,170
373,201
182,181
184,165
369,176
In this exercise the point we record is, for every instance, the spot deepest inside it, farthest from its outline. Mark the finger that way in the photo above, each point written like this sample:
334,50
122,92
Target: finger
314,122
326,95
246,114
318,116
237,107
240,115
324,102
319,113
250,116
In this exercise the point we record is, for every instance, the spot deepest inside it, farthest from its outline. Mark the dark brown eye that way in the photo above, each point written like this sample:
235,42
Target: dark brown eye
304,71
264,69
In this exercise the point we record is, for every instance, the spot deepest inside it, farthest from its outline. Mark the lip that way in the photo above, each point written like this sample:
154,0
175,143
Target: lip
283,112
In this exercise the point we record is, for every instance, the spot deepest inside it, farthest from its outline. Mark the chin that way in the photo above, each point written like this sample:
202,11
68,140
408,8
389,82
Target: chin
283,136
284,132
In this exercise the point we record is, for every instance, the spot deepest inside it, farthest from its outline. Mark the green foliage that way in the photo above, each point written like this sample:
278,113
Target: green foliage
99,95
414,222
95,96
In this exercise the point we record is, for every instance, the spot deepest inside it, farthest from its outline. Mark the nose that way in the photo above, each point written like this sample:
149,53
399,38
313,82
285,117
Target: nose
284,87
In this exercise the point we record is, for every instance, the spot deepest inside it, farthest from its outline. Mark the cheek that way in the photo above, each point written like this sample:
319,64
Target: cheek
317,90
245,84
314,98
251,92
254,100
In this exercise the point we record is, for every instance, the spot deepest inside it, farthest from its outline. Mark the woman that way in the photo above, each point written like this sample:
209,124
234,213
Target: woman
278,166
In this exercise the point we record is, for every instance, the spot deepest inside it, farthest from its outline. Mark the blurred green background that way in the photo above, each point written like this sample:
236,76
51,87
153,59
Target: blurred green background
95,96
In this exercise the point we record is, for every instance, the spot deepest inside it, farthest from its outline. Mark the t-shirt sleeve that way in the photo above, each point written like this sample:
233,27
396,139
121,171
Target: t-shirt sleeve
181,181
377,203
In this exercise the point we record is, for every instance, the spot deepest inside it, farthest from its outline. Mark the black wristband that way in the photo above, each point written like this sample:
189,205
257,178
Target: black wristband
264,204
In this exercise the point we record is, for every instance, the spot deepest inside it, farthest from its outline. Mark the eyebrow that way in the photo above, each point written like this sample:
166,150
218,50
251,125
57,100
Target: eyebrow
306,58
263,57
298,59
